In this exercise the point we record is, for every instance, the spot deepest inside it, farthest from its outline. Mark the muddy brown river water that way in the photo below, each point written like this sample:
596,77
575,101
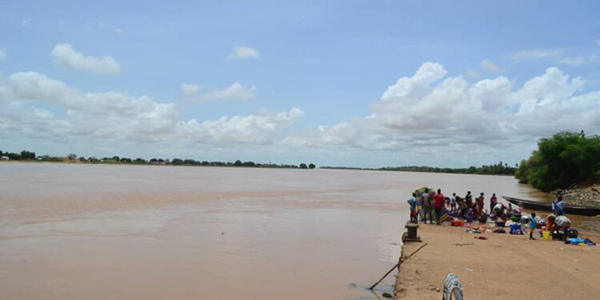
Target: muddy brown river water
152,232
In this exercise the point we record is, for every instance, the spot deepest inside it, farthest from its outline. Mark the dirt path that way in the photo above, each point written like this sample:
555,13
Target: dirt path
502,267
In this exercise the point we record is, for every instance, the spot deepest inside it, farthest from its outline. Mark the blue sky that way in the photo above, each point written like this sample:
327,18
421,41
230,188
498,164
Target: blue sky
306,83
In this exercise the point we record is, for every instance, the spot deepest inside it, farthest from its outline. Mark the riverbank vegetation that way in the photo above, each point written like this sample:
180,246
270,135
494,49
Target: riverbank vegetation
565,159
494,169
73,158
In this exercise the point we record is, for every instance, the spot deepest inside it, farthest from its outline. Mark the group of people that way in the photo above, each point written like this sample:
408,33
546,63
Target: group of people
432,202
475,210
465,207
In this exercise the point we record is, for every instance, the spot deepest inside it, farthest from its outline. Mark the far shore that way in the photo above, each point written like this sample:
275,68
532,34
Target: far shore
63,160
101,163
502,267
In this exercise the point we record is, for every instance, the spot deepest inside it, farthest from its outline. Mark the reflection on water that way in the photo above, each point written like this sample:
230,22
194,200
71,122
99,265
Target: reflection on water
142,232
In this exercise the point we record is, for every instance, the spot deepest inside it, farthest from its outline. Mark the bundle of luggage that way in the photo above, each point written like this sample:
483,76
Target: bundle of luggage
515,228
580,242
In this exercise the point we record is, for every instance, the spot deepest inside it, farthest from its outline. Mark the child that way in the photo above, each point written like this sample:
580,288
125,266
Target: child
532,225
413,208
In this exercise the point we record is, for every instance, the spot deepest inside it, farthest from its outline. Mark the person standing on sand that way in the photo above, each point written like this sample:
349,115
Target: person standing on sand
480,204
413,208
431,206
550,220
532,226
469,199
439,205
426,207
493,202
453,203
558,206
462,207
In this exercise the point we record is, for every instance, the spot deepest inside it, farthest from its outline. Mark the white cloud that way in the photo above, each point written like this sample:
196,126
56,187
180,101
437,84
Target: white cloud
188,89
118,116
535,54
572,61
102,115
429,112
67,57
37,123
409,88
262,128
3,54
242,52
490,66
428,117
555,55
234,92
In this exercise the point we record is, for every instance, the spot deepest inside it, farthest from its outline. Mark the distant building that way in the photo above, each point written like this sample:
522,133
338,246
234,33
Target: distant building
4,158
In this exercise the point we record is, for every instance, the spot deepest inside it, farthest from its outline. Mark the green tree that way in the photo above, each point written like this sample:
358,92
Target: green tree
303,166
311,166
190,162
27,155
561,161
13,156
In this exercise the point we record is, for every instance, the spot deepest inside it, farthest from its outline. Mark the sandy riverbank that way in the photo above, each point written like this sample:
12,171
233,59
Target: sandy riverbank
502,267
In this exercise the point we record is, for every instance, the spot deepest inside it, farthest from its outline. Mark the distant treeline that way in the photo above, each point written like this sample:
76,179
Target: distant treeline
562,160
497,169
24,155
30,156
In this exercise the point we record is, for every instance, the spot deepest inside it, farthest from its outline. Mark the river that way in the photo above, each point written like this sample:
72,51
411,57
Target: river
74,231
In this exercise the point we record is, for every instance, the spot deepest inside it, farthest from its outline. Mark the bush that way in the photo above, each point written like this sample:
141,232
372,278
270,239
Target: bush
561,161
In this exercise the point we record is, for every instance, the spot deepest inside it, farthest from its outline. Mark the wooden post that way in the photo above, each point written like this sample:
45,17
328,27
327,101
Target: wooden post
396,266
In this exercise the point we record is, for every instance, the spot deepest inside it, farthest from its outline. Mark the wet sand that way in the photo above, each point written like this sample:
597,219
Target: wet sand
152,232
502,267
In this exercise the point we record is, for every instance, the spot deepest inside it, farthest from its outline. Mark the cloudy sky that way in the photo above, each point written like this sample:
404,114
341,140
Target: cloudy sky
344,83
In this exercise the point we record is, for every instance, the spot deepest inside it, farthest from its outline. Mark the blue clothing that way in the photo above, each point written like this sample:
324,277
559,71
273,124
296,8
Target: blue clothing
532,223
558,207
413,203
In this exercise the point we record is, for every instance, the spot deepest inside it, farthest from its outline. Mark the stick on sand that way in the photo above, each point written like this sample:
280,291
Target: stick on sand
396,266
